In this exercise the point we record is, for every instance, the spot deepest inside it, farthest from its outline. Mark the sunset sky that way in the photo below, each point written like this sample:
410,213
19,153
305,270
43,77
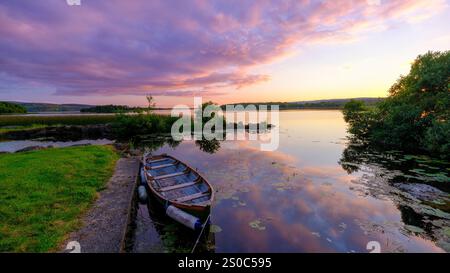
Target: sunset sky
117,51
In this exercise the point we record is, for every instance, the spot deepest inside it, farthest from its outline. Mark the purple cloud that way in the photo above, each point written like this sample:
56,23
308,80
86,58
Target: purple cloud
171,47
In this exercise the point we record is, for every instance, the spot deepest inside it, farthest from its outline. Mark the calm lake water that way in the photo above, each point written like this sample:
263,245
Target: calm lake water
317,193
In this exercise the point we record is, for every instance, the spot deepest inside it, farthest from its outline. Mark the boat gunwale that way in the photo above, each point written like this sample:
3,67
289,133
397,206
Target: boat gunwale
207,204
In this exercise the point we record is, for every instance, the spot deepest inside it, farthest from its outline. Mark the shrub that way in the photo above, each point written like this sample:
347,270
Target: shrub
129,126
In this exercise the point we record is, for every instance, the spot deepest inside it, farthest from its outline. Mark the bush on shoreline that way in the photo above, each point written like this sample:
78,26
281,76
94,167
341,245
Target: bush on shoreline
130,126
415,116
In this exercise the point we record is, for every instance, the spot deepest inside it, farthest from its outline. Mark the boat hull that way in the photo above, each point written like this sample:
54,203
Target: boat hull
199,210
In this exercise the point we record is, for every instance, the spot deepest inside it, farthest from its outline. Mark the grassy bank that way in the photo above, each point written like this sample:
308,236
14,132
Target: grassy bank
55,120
21,128
42,203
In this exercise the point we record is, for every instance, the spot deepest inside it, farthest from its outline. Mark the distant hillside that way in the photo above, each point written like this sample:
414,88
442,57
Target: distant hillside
111,109
51,107
11,108
314,104
343,101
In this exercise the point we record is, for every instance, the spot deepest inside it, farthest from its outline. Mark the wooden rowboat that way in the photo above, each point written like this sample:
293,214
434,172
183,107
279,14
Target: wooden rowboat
175,183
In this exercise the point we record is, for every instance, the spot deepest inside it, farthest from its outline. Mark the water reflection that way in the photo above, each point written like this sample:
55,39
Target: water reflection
208,146
417,185
152,143
154,232
317,193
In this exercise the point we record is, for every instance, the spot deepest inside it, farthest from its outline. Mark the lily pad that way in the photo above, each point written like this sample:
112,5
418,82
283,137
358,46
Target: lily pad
215,229
447,231
409,176
244,189
257,224
435,212
438,202
414,229
350,164
420,171
343,226
242,203
441,177
397,160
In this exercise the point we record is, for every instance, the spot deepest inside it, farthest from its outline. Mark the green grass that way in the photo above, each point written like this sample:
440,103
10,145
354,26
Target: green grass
56,120
44,193
21,128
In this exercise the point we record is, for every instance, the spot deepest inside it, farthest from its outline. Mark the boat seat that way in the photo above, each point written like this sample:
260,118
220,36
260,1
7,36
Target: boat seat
163,166
157,160
191,197
169,175
178,186
203,203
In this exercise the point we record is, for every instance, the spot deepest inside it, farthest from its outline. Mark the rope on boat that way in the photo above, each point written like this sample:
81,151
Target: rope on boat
201,232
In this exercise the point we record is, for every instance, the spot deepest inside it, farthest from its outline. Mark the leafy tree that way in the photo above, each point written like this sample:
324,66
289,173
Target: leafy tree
415,115
352,110
359,117
11,108
437,138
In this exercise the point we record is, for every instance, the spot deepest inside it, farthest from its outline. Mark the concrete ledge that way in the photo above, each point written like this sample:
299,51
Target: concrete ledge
105,225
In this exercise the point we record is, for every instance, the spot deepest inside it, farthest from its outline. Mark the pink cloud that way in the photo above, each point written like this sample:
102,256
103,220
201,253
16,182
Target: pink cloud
117,47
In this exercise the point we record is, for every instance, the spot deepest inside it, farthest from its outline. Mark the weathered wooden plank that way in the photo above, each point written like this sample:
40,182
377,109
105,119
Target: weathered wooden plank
178,186
162,166
203,203
168,175
156,160
191,197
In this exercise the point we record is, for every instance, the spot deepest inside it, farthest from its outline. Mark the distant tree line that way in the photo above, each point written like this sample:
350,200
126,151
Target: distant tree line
111,109
332,104
11,108
416,114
